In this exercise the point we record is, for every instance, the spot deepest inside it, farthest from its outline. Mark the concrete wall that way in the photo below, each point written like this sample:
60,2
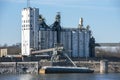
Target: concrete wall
27,67
32,67
18,67
112,66
7,67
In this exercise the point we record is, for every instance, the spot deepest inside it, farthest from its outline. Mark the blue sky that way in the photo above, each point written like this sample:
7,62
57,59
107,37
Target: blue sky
103,16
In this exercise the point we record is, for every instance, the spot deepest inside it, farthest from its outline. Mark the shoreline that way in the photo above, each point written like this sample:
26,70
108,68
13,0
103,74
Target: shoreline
33,67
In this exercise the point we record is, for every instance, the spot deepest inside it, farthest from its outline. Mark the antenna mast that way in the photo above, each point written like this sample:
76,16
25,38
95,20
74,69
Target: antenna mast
28,3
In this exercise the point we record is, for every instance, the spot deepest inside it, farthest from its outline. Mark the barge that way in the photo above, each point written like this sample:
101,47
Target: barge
60,69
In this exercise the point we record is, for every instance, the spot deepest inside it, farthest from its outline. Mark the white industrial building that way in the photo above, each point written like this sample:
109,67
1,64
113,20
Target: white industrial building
30,28
37,35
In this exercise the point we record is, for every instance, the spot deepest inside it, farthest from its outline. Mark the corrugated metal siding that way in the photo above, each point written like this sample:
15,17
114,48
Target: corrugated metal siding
87,44
76,41
81,47
74,44
68,41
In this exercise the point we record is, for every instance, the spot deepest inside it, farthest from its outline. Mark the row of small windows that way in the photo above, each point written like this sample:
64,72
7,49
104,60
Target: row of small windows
27,21
27,29
26,25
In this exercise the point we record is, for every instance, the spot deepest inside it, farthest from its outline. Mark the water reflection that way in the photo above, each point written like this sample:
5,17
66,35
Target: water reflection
110,76
25,77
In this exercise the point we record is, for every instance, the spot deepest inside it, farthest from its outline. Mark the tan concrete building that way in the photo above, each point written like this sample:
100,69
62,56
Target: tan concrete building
5,51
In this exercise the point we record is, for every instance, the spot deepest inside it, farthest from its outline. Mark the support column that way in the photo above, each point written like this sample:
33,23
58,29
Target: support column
104,66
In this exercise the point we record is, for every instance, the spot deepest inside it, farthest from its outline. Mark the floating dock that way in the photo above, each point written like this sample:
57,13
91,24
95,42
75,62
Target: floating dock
59,69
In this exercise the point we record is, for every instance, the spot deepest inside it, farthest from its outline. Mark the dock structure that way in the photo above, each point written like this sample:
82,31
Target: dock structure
34,67
103,66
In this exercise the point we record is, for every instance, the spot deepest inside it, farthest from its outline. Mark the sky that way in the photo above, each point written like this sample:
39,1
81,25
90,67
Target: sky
103,17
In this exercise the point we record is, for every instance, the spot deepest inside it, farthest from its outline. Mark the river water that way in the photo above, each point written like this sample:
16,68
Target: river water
95,76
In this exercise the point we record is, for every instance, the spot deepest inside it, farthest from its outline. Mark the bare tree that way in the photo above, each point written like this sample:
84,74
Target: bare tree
107,52
5,45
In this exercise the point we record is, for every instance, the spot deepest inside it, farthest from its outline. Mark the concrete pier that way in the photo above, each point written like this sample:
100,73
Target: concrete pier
103,66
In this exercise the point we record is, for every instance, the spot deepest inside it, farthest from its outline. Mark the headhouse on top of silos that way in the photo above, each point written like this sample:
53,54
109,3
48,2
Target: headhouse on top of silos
37,35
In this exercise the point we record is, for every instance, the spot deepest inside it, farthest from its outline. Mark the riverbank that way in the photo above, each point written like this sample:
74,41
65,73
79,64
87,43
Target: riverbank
33,67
